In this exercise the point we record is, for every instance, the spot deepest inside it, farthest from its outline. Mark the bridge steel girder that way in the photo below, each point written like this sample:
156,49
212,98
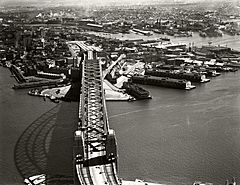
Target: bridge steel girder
96,158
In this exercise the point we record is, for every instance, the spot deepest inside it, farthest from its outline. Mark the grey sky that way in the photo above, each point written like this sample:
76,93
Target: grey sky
95,2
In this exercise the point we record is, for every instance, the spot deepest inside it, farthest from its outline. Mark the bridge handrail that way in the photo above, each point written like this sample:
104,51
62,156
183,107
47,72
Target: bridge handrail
105,117
82,96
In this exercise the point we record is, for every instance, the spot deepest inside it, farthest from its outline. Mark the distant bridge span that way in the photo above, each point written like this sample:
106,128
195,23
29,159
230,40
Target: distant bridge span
95,148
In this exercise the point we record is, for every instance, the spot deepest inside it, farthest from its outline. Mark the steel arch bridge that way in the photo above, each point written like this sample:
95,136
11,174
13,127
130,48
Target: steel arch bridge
95,147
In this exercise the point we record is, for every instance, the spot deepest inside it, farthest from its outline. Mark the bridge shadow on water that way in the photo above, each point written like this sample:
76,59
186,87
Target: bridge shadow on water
46,146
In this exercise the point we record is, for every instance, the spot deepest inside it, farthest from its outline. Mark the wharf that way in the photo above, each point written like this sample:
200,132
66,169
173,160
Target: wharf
17,74
164,82
36,84
178,75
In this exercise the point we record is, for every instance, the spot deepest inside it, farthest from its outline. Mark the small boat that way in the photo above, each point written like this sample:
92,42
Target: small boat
233,182
165,39
54,99
36,179
202,183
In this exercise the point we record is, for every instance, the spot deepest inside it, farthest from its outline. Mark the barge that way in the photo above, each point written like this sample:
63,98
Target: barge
136,91
200,78
163,82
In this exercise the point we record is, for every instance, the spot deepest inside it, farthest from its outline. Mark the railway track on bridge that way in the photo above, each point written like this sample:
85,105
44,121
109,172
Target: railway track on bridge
94,164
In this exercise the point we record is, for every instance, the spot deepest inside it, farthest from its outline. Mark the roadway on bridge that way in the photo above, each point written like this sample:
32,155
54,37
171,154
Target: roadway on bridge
93,131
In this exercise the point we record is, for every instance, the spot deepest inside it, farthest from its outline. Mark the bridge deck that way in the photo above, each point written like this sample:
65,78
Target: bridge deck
95,166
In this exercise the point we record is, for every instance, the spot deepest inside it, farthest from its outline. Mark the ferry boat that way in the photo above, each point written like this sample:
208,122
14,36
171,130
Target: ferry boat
163,82
136,91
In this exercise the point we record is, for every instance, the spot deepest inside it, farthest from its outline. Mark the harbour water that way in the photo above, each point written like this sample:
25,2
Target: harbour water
17,111
196,40
175,138
179,137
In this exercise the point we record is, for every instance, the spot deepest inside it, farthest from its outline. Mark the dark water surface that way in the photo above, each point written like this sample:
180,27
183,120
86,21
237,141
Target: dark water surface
17,111
176,138
181,136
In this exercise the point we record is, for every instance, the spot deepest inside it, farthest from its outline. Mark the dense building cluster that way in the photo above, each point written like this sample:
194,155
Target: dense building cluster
34,41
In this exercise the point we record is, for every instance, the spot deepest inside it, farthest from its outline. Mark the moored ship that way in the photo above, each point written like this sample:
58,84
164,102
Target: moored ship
200,78
136,91
163,82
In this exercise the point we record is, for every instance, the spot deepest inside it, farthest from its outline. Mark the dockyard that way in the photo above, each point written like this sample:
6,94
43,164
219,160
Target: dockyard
152,62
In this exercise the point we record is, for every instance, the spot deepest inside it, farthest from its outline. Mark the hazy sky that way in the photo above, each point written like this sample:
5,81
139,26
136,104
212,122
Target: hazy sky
96,2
